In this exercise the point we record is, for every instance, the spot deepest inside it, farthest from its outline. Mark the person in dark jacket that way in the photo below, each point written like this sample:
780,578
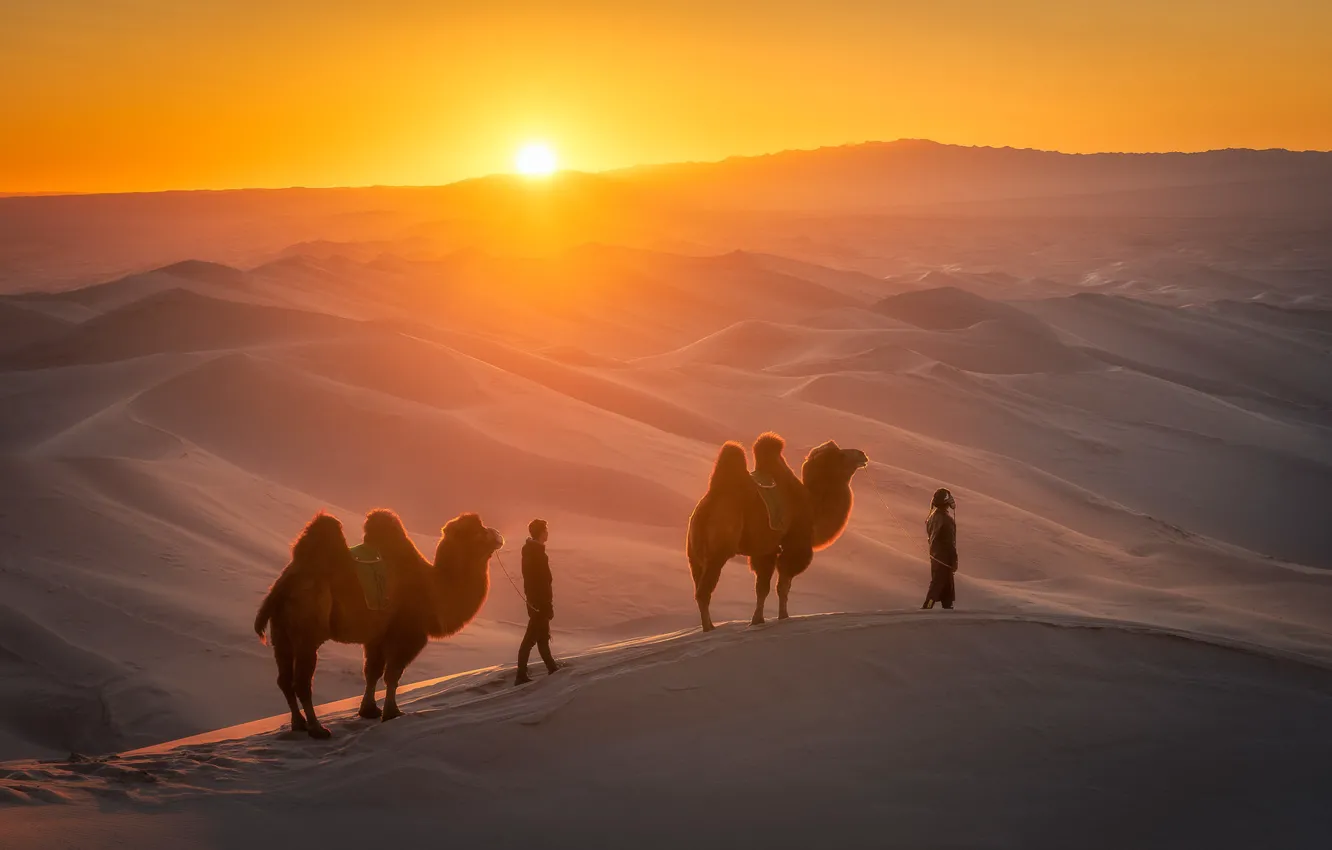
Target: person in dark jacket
941,529
538,588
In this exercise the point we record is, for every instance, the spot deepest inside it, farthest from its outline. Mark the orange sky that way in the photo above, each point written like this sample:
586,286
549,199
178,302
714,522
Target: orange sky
110,95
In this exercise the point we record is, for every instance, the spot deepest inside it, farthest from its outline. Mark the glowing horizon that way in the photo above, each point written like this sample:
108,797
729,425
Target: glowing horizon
161,95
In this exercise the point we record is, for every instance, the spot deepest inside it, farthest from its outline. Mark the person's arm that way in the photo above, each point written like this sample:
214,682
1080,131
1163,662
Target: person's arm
949,534
943,542
549,587
534,573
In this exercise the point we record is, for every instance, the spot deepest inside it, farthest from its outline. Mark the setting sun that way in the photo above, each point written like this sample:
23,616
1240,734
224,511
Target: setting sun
535,159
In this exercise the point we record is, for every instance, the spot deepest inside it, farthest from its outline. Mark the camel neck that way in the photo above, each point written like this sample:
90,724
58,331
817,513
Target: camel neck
832,502
460,590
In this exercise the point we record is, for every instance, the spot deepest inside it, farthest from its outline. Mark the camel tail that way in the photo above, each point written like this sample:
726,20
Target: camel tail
277,594
271,600
730,469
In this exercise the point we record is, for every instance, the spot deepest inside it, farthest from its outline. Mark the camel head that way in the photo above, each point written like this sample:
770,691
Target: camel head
833,463
466,541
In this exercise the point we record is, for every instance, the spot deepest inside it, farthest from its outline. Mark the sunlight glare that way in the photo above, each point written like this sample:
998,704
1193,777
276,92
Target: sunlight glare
536,159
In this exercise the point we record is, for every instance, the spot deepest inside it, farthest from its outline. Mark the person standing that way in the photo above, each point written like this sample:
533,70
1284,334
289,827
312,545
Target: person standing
538,587
941,530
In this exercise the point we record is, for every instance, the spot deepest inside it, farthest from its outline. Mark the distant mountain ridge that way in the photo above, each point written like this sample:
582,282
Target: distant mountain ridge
881,176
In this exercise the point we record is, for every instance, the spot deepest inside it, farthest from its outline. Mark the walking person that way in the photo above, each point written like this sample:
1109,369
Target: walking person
538,587
941,529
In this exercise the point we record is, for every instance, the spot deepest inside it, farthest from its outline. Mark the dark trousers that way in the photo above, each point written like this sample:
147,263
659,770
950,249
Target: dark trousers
538,635
942,589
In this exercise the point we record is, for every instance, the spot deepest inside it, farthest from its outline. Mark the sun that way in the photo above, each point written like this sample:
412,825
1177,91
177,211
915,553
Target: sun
535,159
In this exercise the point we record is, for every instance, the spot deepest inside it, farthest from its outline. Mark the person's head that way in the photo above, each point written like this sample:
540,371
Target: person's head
943,498
536,529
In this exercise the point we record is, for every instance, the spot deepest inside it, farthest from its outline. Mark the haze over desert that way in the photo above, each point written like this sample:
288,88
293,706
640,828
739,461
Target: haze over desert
664,378
1131,411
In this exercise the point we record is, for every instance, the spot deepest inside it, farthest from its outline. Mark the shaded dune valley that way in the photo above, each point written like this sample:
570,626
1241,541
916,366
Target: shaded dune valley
1120,367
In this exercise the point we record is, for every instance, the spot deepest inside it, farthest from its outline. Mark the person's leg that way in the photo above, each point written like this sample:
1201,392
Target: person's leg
543,646
935,593
525,652
541,634
949,594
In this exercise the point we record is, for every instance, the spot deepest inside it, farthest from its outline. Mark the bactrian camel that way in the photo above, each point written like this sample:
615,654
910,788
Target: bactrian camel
318,598
733,519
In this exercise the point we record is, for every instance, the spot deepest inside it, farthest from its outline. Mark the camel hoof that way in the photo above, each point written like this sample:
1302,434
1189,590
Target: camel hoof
758,620
319,733
369,711
391,712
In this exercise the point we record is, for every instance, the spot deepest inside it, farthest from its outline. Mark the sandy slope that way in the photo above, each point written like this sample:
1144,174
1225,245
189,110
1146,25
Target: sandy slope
160,452
889,729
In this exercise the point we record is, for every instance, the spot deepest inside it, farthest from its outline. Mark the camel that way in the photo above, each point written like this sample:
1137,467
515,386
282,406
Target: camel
318,598
732,518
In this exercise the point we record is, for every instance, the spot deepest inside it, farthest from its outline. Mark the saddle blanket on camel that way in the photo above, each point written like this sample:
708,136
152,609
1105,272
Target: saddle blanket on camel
372,572
778,514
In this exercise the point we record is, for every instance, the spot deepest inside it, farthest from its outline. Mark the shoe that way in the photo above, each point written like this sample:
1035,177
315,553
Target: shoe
522,679
559,665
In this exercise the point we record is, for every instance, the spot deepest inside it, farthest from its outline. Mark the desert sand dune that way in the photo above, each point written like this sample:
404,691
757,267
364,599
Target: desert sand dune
1193,345
175,320
1313,326
208,279
1256,489
757,345
1116,719
949,308
219,426
21,327
377,448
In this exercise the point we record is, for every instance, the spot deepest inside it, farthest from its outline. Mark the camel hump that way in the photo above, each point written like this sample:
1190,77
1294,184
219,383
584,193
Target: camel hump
768,446
321,536
768,458
730,469
384,531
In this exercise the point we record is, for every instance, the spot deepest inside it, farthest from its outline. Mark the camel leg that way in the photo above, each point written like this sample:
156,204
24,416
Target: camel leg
306,660
707,582
783,591
763,567
398,654
374,669
286,679
790,563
